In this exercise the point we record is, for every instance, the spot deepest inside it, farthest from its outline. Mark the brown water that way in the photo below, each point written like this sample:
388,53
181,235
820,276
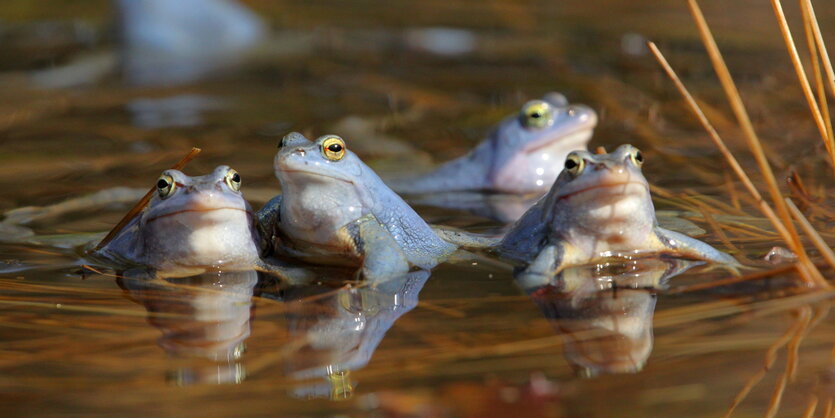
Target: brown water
472,342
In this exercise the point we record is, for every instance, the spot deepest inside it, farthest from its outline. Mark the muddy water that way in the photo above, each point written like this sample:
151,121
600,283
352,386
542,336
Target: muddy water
629,340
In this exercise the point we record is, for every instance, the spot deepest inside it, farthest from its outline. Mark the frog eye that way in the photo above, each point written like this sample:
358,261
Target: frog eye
537,114
233,180
574,164
636,157
333,148
165,186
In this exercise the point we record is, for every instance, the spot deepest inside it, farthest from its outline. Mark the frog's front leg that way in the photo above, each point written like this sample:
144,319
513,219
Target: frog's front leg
687,247
268,217
382,256
546,264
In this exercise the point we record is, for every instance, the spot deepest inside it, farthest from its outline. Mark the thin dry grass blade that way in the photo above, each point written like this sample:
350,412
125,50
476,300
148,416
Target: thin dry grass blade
809,272
810,231
827,64
143,202
810,407
815,52
804,81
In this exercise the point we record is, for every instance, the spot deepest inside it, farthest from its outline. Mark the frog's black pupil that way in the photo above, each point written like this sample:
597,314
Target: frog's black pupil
535,115
639,157
162,184
236,178
569,164
335,147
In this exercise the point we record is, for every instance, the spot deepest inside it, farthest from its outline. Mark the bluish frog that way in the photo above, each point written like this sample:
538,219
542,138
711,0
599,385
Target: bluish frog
335,210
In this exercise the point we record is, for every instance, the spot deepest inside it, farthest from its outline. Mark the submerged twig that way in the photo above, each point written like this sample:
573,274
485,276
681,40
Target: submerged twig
143,202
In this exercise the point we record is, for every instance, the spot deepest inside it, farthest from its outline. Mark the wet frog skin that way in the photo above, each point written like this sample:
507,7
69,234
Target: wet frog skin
335,210
522,155
600,206
191,222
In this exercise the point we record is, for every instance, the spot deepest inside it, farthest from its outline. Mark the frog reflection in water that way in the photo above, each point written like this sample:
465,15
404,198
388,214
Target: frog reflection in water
335,210
600,206
604,312
523,154
192,223
338,332
200,317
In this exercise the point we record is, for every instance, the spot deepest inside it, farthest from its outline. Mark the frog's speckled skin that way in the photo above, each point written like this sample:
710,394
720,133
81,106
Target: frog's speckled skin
603,209
340,212
515,158
202,223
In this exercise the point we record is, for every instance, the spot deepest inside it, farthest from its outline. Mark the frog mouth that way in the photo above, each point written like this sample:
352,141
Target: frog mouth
205,210
623,184
313,173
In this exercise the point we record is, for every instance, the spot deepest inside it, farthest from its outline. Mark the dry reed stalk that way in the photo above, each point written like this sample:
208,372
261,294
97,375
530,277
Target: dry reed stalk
827,64
732,191
810,274
815,53
804,81
810,231
143,202
810,407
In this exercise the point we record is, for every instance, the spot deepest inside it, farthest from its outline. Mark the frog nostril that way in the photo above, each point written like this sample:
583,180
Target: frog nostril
300,151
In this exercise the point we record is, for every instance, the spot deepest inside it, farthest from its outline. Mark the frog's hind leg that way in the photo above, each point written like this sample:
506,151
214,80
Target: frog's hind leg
688,247
465,239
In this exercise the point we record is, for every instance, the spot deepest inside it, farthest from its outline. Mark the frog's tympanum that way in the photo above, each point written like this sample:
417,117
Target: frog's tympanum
522,155
600,206
335,210
206,316
191,222
604,312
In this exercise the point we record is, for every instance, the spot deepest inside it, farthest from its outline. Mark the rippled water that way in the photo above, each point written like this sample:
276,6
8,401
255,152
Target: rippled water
641,339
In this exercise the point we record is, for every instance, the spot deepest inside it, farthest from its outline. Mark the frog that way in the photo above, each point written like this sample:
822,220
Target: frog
522,155
335,210
200,222
600,206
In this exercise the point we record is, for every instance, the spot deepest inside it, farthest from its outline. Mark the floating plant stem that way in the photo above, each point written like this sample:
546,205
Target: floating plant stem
143,202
